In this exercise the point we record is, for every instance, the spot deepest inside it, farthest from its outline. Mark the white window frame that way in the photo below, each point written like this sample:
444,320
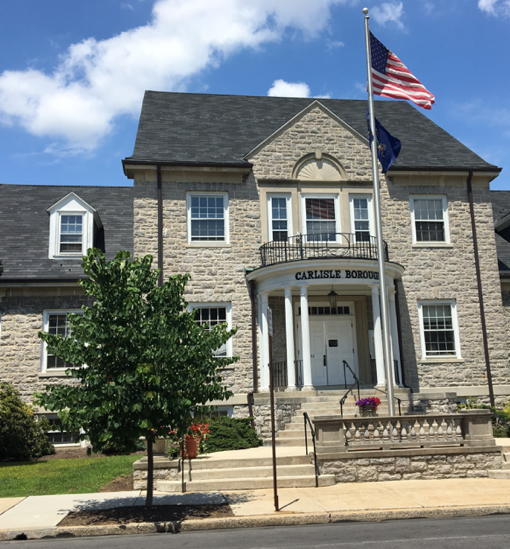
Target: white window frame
439,358
371,225
228,313
287,197
335,197
44,348
72,204
76,444
429,243
225,218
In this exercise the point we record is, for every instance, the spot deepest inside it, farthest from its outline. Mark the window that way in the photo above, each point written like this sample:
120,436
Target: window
429,216
57,323
321,218
209,316
439,331
74,228
71,233
56,435
208,217
361,217
280,227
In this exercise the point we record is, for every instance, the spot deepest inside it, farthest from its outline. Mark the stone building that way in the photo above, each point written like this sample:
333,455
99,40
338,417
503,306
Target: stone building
267,202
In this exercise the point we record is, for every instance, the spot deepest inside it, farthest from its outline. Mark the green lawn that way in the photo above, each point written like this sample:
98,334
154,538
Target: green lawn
62,476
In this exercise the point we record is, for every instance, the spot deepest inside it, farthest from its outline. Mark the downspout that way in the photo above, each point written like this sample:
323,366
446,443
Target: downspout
160,225
480,292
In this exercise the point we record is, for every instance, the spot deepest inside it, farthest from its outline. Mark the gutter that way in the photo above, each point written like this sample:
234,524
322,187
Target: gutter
236,166
480,292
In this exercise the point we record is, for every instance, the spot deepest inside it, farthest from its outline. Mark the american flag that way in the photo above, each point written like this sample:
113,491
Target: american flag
391,78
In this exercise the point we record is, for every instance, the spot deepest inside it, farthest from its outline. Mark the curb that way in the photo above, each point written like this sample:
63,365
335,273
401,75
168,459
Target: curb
283,519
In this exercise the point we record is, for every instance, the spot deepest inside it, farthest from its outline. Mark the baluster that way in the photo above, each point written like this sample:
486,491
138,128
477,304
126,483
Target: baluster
403,433
458,430
431,433
394,432
357,436
449,431
367,434
376,433
348,436
386,434
413,431
421,422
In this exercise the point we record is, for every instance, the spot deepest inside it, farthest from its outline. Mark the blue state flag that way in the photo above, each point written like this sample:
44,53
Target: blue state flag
388,146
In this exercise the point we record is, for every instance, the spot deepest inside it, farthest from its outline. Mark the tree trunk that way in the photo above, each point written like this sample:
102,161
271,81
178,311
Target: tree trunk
150,472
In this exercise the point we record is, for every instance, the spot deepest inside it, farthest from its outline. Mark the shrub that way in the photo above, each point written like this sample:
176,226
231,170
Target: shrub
121,448
22,437
228,433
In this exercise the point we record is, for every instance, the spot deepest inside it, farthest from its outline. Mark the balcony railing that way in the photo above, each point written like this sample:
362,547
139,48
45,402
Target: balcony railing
320,246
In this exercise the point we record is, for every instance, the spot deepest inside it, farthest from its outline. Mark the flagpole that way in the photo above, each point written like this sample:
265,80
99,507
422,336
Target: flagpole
379,232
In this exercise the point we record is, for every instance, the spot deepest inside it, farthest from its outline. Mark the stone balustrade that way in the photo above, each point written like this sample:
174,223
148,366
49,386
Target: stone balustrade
467,428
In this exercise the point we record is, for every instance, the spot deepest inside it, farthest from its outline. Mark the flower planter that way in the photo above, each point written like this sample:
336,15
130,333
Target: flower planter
159,446
191,446
367,411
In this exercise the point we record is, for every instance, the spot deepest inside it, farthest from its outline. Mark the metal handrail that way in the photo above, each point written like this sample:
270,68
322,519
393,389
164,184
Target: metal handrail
357,382
317,472
326,245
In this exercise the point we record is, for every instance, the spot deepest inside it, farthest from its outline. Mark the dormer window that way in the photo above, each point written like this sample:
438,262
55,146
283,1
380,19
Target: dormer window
74,226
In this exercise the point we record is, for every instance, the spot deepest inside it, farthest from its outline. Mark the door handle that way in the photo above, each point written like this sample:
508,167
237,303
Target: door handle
324,360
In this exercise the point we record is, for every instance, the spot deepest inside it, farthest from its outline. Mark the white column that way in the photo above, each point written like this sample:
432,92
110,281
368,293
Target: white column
289,331
264,351
305,334
378,346
395,347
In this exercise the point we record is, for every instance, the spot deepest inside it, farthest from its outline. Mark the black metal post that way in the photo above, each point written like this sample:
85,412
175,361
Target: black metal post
273,430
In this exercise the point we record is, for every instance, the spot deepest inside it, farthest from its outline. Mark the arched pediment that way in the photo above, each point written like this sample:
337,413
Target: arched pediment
319,167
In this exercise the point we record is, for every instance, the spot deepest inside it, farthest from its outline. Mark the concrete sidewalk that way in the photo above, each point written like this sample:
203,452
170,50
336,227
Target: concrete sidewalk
38,516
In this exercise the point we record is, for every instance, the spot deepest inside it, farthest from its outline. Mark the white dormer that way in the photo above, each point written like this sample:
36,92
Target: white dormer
73,224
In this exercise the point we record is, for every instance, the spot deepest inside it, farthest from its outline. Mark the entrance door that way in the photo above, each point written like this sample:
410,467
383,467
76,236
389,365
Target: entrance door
332,342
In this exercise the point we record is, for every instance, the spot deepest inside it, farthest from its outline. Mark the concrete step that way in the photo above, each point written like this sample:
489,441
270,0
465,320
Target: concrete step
506,465
499,473
251,472
292,441
292,434
244,463
245,483
353,412
506,457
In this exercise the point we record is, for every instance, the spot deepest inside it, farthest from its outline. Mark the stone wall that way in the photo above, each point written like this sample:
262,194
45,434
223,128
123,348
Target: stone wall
438,466
433,403
217,271
285,409
20,346
447,272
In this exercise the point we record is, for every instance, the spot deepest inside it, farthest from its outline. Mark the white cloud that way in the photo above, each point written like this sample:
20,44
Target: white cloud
280,88
96,81
388,13
333,44
495,7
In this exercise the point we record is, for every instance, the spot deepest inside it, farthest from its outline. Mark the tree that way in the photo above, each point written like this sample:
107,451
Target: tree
145,364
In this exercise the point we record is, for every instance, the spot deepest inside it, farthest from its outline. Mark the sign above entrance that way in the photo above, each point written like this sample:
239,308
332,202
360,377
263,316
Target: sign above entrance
337,273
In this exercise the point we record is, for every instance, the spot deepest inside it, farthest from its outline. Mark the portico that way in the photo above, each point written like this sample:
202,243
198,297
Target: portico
327,313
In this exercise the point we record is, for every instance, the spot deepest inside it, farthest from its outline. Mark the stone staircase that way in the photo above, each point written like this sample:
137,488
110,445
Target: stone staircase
504,472
322,405
246,470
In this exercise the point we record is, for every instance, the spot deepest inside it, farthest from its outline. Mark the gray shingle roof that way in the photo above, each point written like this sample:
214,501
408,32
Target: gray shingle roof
24,228
202,128
500,209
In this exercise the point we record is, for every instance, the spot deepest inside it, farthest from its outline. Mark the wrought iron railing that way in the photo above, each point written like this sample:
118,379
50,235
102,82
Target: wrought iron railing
280,374
308,423
320,246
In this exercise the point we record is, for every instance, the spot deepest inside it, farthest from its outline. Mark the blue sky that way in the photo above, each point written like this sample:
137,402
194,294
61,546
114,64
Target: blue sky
72,74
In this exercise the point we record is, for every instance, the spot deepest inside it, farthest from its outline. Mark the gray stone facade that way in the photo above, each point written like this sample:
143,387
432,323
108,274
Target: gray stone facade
21,349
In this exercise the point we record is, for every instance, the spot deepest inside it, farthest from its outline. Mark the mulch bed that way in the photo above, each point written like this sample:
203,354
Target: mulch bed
156,513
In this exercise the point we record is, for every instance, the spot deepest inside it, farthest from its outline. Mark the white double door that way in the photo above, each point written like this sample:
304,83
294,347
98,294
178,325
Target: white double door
332,340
